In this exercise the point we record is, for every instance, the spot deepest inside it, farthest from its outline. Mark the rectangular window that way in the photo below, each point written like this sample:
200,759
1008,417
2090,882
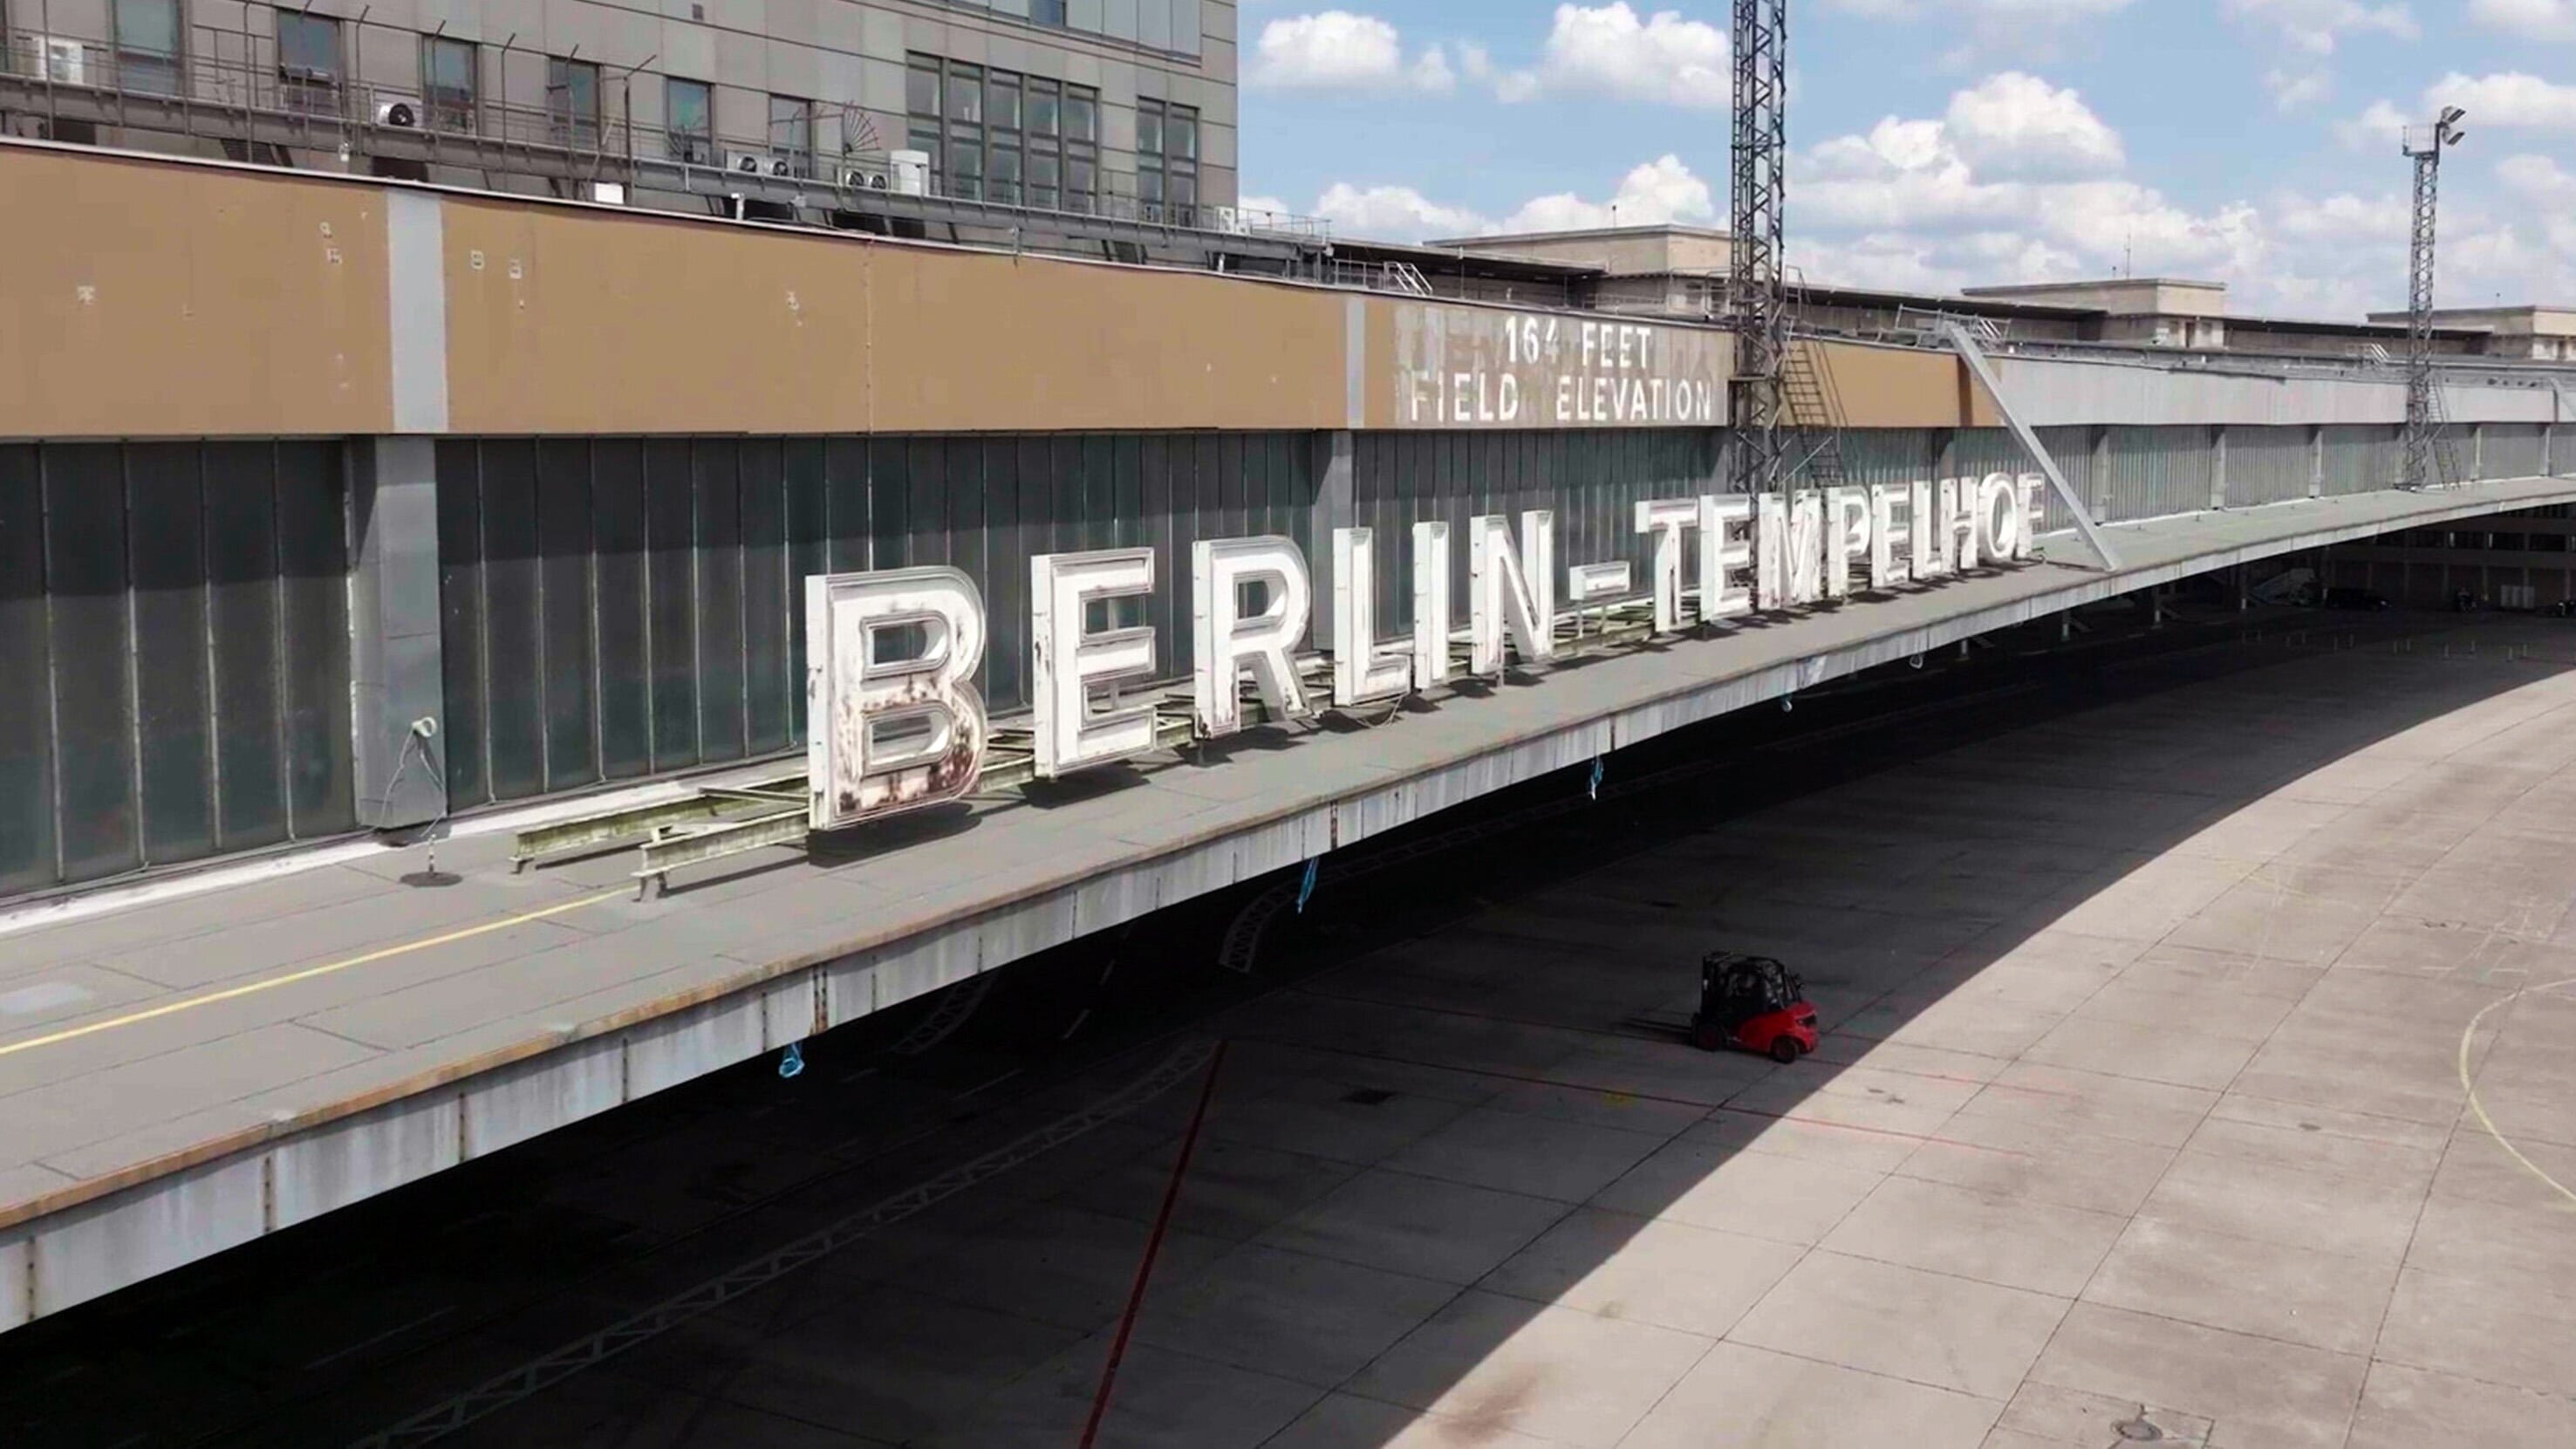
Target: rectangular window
147,45
1167,162
572,101
1001,136
1043,140
1047,12
791,133
447,82
689,116
921,86
965,150
1002,132
1081,148
308,61
921,103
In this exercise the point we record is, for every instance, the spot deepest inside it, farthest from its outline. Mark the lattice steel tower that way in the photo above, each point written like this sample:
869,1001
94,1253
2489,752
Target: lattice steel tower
1757,298
2427,455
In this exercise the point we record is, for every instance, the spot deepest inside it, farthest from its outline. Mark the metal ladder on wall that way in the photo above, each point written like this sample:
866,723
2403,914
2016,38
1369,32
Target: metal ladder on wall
1815,410
2446,459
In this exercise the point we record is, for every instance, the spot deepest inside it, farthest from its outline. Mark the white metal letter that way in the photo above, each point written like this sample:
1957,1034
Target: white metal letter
2030,485
1228,641
887,732
1847,536
1928,558
1886,506
1363,669
1668,519
1998,518
1770,553
1959,523
1511,593
1080,720
1806,546
1430,604
1721,554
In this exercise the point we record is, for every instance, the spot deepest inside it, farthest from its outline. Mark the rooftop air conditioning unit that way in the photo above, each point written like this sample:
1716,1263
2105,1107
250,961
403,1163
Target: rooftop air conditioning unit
66,60
399,114
781,166
911,171
864,178
1230,219
746,163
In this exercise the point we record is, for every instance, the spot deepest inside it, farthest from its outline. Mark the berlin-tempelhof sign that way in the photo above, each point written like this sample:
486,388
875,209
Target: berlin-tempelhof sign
895,722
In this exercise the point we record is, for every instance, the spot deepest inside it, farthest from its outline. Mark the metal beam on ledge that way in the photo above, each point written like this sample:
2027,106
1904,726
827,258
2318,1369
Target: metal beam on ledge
1958,337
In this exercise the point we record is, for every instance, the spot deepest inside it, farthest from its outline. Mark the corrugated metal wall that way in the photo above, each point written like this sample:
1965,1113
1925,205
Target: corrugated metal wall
2362,457
616,607
2268,465
174,641
2150,472
1592,480
2510,450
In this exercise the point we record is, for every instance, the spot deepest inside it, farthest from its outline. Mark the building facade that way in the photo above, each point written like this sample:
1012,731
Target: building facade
305,459
1097,107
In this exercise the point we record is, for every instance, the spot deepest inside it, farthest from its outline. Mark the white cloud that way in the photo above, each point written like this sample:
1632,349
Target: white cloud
2534,19
1610,50
2315,25
1394,213
1337,50
1659,191
2019,126
2506,99
2026,28
2378,127
2294,91
1431,72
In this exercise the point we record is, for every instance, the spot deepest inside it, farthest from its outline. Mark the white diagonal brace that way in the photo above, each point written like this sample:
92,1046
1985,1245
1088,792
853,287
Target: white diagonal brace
1958,337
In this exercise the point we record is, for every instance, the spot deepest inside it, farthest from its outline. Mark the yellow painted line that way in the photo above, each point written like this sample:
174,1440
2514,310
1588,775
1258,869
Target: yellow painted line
2480,1107
252,988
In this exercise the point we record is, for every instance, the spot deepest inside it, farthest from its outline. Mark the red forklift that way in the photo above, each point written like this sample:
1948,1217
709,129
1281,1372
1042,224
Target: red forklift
1754,1004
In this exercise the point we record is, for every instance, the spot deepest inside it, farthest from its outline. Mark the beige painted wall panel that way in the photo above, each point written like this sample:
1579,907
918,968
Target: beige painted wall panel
147,300
967,342
565,321
1899,387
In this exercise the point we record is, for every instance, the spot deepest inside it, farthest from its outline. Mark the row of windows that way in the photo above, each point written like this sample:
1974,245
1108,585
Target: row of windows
1162,24
990,134
1000,136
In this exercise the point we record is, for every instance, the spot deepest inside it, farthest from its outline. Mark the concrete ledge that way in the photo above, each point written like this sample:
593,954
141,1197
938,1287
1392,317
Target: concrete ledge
522,1032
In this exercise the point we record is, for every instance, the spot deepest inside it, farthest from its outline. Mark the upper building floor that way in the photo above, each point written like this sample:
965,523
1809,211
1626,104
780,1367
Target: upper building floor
785,109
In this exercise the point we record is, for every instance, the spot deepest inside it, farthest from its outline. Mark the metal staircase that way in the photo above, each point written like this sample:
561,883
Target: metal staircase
1814,411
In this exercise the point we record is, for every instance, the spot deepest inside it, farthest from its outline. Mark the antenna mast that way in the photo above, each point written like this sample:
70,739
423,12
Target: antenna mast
2427,458
1757,299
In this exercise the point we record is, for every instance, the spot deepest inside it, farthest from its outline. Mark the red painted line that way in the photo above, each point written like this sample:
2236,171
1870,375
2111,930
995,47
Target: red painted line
1153,1245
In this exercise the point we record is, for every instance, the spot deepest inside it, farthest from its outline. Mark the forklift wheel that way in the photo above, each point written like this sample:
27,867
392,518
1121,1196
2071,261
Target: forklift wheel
1784,1049
1707,1036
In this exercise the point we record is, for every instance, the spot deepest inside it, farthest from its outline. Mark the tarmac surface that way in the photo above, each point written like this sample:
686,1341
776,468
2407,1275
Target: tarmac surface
2144,1112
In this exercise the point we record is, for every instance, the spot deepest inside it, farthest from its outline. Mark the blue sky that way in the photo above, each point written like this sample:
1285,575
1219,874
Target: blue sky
1940,143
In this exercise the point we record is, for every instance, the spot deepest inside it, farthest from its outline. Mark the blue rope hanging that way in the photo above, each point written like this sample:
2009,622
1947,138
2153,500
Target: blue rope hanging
793,1062
1306,887
1599,766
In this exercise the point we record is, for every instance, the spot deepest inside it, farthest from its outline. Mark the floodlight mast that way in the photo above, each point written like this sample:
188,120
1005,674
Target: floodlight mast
2426,456
1757,295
